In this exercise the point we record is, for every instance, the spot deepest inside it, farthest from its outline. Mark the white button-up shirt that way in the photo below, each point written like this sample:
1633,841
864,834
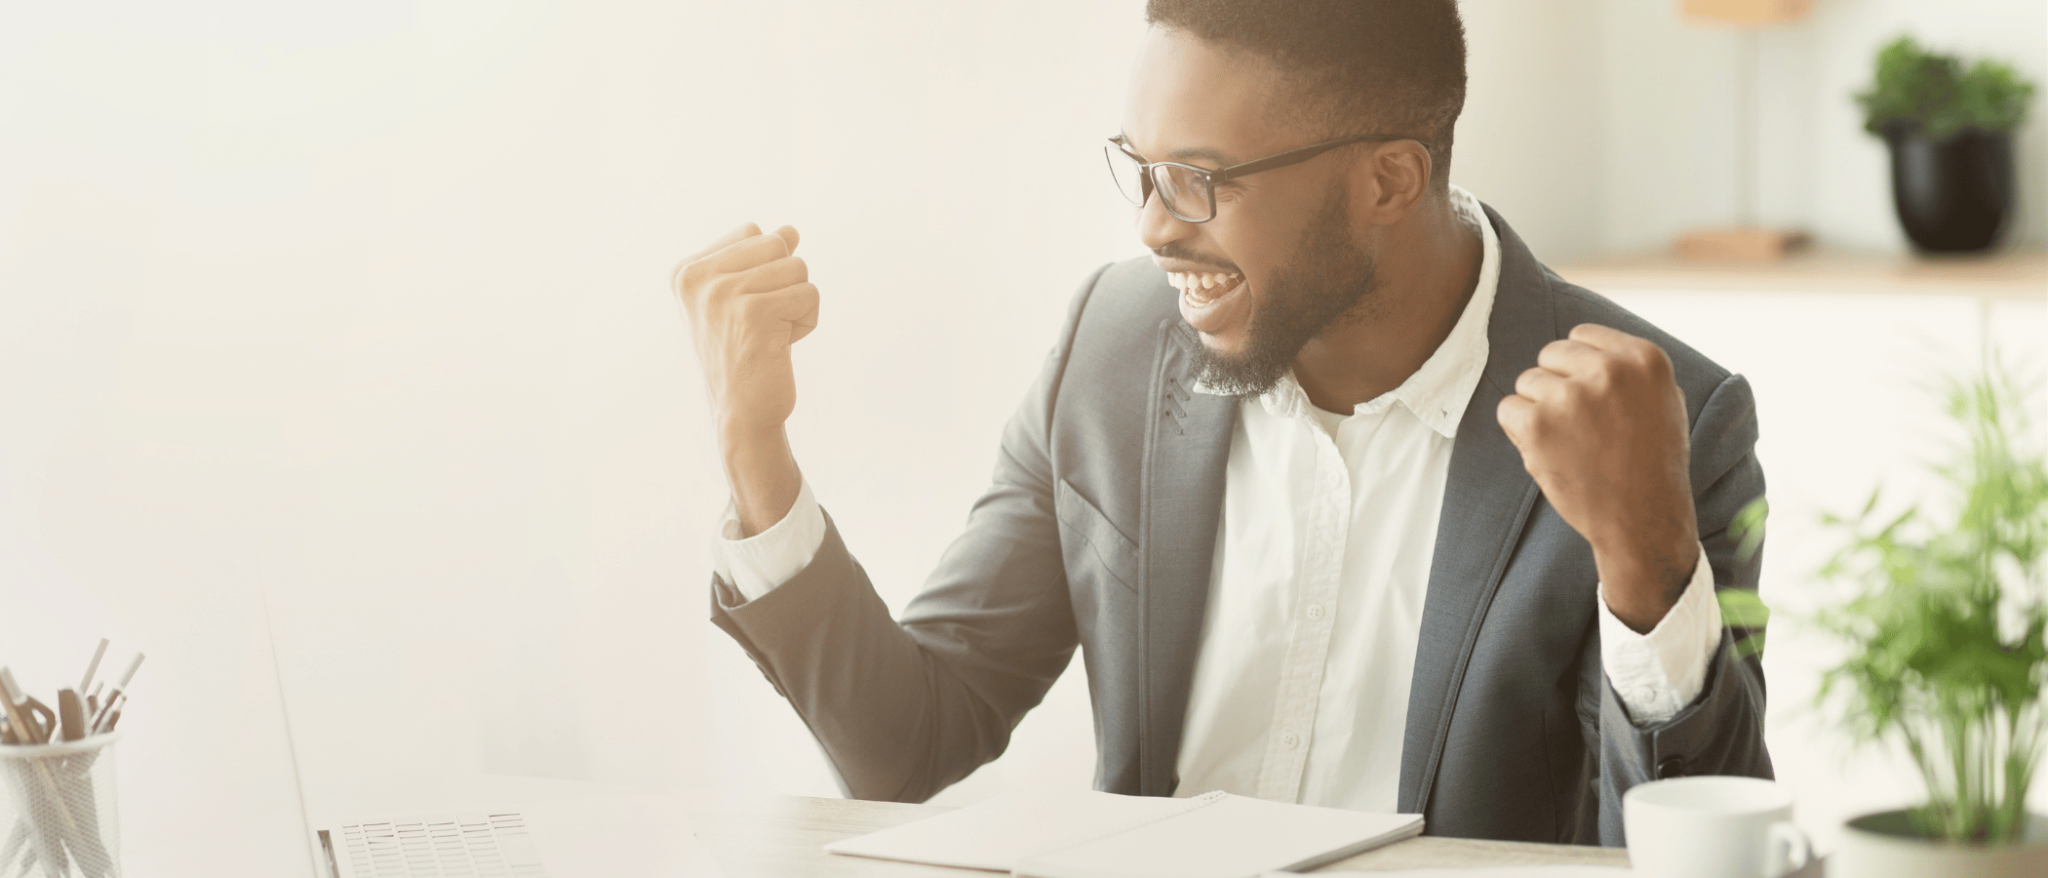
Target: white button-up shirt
1316,593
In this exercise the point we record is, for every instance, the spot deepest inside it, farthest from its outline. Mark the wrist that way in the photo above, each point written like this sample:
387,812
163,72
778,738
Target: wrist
762,473
741,430
1641,581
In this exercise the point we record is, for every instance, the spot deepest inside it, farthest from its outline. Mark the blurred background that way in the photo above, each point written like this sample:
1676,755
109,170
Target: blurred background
361,309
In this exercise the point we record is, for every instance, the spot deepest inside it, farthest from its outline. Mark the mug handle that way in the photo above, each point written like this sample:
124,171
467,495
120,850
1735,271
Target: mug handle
1789,849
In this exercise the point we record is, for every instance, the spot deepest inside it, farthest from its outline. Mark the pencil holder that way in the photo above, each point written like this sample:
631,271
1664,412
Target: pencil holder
57,807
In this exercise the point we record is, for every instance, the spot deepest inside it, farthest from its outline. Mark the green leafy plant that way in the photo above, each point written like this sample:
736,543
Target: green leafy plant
1741,608
1946,624
1937,95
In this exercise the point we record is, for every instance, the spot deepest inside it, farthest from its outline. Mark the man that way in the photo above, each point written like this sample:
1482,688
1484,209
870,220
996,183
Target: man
1344,497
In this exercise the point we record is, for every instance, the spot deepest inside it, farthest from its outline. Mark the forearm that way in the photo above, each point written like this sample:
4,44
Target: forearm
895,722
1721,730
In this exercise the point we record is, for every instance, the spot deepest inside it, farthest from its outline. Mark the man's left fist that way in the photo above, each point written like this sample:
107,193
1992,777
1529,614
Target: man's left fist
1601,426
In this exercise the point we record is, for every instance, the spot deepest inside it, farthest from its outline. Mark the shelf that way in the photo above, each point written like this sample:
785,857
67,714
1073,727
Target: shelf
2014,274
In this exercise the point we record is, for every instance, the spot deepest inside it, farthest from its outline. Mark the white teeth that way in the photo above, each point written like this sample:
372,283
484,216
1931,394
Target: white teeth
1192,282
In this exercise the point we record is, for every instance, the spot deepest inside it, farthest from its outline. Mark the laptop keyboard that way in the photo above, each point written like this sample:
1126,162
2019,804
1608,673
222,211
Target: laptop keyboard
466,846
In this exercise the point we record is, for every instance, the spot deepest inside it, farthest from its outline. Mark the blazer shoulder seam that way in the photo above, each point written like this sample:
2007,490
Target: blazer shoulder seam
1069,331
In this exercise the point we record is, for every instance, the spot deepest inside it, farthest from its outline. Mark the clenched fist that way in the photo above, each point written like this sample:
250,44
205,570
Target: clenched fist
749,300
1602,427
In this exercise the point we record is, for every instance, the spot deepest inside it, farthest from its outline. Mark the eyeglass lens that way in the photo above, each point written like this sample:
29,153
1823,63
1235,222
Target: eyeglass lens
1182,189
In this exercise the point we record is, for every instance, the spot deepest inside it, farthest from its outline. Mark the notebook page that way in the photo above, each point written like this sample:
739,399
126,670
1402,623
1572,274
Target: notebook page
1551,871
998,833
1231,837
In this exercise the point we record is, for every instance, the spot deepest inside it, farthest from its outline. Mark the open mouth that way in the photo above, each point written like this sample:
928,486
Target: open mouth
1211,302
1203,288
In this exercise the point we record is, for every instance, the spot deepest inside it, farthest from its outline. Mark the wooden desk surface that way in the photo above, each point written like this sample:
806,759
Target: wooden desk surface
773,836
2012,274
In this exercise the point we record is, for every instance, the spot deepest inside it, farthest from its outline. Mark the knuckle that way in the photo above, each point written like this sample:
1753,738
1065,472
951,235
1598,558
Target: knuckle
1571,393
1658,362
1602,377
691,274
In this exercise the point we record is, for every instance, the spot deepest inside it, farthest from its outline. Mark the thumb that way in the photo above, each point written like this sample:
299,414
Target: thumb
1513,413
789,236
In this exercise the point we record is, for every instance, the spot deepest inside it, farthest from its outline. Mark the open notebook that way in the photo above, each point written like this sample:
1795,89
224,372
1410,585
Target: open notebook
1087,834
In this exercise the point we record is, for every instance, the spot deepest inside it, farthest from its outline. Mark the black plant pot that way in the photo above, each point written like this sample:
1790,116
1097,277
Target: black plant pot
1953,195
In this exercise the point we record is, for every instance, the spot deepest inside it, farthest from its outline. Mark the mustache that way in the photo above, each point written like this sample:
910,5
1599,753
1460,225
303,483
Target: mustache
1173,252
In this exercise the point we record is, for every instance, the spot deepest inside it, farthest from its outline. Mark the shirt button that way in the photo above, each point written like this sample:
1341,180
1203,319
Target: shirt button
1315,611
1290,740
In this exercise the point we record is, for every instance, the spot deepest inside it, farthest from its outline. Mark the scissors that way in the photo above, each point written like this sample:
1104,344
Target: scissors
42,722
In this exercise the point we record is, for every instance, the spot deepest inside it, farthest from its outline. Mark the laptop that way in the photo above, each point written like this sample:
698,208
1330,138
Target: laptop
209,782
485,827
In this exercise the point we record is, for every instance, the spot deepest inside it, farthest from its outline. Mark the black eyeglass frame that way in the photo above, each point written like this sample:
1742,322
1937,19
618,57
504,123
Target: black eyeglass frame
1210,177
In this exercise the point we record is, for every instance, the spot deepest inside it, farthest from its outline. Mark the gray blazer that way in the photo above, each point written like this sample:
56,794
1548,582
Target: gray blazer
1098,531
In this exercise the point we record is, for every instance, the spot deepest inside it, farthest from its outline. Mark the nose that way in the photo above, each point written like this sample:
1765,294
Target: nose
1158,227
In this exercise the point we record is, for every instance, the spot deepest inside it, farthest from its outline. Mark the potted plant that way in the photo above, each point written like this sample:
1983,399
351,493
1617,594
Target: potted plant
1946,654
1949,129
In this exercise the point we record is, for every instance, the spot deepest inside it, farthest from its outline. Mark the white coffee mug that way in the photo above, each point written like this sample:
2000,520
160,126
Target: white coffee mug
1712,827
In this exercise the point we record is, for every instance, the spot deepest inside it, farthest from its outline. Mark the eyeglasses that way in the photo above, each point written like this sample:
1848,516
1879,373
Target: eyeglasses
1189,192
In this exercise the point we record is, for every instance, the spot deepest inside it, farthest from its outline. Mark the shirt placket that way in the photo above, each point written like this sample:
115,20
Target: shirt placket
1310,621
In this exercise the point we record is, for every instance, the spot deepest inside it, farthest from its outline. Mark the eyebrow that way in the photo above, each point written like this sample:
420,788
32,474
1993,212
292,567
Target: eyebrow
1192,152
1201,152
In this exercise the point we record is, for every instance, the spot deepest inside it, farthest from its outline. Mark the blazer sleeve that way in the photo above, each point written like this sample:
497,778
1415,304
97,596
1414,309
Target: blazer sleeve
1722,730
905,708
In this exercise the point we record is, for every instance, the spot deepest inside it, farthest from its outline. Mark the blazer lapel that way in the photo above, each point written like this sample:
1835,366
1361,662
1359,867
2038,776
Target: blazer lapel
1187,448
1486,502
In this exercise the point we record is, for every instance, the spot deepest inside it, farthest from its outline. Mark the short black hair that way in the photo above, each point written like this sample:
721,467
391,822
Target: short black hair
1363,66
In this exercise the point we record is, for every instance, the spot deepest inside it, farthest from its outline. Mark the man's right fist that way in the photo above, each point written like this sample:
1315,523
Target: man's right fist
748,300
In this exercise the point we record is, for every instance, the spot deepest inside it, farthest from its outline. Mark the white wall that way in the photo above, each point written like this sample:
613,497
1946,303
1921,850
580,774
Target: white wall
367,301
373,299
1528,143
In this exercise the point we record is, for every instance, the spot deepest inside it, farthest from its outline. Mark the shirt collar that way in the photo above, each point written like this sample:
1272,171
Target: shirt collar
1439,391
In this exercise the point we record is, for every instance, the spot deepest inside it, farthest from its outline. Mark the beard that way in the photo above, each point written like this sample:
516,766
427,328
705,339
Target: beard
1329,280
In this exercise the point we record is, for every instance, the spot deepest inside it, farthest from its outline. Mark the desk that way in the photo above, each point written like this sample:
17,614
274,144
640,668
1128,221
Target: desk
761,836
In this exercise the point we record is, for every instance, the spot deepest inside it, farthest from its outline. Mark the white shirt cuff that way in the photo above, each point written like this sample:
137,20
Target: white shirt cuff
756,565
1659,673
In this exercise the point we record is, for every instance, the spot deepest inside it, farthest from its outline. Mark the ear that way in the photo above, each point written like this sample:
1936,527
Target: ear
1388,184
